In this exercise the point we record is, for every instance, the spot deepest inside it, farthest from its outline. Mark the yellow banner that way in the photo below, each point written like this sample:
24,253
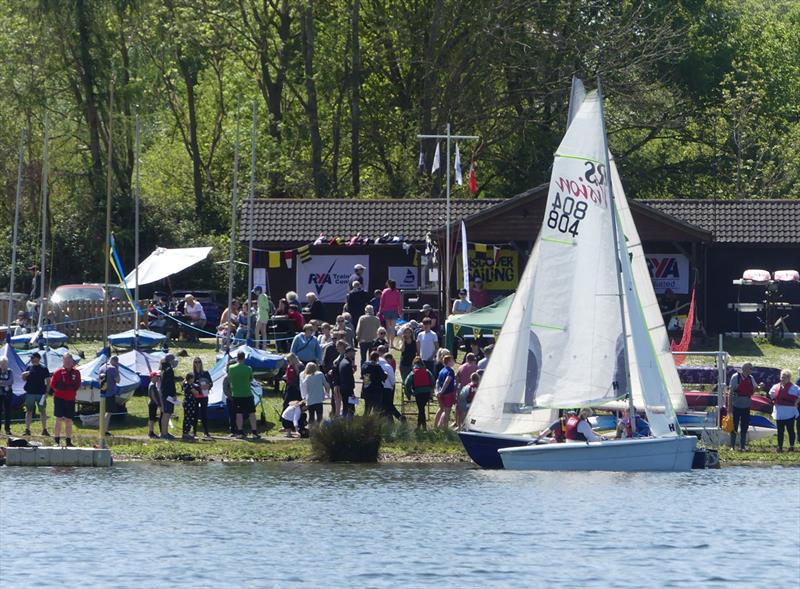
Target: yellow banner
274,259
501,273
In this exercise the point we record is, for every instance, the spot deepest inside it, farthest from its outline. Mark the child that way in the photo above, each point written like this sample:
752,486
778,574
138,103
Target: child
294,419
154,394
190,389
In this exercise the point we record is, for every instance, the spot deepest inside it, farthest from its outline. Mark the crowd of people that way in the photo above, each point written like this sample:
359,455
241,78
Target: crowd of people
369,343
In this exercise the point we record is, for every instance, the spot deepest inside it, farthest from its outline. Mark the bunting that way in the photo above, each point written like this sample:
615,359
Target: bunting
274,259
304,253
288,257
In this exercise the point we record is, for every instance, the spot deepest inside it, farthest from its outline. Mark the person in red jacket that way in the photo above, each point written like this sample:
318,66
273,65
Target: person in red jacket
65,384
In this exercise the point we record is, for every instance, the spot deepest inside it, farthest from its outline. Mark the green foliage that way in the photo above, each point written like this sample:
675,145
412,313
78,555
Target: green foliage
348,440
703,102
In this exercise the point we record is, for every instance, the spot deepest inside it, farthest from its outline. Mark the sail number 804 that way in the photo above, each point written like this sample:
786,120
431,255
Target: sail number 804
566,214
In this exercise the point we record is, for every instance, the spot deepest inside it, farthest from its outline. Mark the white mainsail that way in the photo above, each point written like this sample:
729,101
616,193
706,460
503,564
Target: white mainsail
561,344
649,305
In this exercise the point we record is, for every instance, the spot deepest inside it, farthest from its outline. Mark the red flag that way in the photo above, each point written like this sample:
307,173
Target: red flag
686,338
473,180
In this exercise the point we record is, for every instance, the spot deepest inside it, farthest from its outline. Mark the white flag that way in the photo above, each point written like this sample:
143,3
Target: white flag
421,164
435,159
459,177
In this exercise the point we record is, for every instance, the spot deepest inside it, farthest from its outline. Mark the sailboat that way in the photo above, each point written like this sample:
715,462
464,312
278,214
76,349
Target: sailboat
578,333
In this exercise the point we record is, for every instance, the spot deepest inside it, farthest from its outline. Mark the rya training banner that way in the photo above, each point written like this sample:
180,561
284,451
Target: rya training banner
327,276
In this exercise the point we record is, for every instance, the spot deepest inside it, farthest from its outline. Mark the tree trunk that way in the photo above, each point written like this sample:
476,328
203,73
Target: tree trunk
85,67
311,108
189,76
355,101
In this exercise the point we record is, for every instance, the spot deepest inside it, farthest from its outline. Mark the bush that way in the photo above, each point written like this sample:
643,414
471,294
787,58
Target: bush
348,440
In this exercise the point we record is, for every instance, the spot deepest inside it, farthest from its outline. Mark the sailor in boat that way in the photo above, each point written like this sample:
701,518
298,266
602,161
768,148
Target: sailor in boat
556,430
624,427
577,428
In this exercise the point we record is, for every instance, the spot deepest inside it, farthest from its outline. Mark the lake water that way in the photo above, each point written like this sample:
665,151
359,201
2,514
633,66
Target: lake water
143,525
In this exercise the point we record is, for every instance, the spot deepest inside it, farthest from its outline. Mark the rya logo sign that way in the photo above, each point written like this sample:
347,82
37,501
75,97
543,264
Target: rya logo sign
319,280
663,267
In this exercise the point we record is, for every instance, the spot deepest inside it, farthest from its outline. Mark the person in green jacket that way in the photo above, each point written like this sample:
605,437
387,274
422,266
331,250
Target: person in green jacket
419,383
240,375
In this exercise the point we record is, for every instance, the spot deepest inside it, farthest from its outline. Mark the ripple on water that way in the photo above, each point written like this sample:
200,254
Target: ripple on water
386,526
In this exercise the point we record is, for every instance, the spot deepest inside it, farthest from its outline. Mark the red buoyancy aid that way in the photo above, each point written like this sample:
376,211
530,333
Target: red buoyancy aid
571,430
422,378
745,388
783,397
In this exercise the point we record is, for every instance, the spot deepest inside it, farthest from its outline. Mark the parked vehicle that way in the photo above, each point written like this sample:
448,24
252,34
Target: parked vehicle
85,292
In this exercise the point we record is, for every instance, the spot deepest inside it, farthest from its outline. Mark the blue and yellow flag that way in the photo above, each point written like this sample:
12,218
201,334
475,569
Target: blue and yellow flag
115,263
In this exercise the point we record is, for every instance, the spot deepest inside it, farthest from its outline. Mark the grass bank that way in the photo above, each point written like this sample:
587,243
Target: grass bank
401,444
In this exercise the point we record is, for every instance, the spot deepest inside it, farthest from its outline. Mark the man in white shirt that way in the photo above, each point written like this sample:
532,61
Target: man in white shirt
387,402
195,315
427,345
487,353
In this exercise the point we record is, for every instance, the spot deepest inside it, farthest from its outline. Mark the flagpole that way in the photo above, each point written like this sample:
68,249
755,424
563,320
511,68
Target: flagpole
102,414
16,227
45,172
136,236
250,222
448,137
232,251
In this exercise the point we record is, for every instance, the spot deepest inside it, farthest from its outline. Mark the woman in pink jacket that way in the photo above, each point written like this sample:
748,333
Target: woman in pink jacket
391,308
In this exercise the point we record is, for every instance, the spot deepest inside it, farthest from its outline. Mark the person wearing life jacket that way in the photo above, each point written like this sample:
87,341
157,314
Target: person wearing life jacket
557,430
419,384
784,411
741,388
577,428
624,427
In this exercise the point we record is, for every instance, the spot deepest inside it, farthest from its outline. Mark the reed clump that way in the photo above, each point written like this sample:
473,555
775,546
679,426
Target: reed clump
348,440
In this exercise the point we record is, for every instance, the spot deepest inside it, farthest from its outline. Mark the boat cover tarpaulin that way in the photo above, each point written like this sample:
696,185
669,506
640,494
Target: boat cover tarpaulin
16,366
147,339
90,376
52,358
45,336
165,262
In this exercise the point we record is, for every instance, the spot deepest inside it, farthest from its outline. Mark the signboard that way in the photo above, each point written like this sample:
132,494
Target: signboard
404,276
327,276
500,273
260,279
669,271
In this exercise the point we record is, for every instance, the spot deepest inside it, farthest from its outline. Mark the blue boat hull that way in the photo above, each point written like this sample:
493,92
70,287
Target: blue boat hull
482,448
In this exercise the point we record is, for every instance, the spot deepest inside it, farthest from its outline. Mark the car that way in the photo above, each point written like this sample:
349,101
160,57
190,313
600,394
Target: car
212,301
85,292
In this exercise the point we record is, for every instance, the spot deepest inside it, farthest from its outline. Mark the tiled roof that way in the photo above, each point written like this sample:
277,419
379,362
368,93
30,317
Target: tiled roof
739,221
293,220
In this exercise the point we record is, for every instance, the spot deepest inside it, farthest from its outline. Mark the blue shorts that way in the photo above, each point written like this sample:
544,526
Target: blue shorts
391,315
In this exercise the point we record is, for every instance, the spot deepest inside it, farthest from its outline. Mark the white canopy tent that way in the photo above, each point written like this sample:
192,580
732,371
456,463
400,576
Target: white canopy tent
164,262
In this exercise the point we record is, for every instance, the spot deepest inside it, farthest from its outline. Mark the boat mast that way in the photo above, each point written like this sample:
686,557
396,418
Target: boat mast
621,251
136,198
232,251
45,170
102,413
250,222
16,228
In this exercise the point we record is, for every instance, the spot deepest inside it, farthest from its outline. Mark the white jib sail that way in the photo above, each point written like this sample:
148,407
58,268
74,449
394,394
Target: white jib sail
561,343
645,367
649,304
